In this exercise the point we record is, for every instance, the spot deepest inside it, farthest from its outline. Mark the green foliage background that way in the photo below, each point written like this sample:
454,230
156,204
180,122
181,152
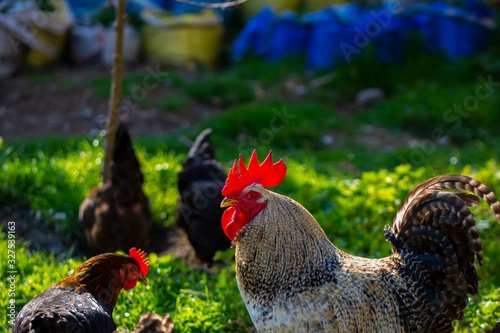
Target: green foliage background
352,189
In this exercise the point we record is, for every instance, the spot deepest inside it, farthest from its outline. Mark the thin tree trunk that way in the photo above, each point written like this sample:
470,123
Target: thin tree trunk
116,88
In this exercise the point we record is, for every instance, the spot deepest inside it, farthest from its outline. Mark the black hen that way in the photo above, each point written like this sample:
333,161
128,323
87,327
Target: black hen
200,183
116,215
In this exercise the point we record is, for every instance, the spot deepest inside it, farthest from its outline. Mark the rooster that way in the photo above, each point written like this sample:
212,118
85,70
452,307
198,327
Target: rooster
200,183
116,215
293,279
84,301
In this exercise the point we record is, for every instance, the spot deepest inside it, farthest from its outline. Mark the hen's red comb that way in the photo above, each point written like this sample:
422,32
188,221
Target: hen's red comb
266,174
140,256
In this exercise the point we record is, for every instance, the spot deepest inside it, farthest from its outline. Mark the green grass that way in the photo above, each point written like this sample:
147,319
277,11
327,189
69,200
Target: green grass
224,90
353,190
57,179
462,111
352,210
42,77
353,213
172,103
273,125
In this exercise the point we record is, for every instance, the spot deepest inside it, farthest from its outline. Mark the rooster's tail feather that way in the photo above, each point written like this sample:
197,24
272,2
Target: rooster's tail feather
436,236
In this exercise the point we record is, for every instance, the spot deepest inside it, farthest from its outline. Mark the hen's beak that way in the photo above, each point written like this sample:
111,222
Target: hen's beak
227,202
142,279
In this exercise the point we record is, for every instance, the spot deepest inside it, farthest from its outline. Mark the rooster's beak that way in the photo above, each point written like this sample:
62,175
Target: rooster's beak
142,279
227,202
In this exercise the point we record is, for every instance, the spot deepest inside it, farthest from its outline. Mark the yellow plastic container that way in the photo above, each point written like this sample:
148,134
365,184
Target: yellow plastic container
50,34
251,7
51,53
184,39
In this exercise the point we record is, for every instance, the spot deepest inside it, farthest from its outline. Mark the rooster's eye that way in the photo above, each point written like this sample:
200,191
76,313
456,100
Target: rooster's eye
251,195
133,269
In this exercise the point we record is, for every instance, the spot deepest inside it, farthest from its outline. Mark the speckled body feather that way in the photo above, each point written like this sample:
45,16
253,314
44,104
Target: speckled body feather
293,279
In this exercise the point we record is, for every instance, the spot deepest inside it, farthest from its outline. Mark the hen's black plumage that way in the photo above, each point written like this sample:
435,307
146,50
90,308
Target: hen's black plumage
116,215
200,183
61,310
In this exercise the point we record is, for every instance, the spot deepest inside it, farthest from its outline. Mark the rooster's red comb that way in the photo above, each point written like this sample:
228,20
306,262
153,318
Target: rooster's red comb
266,174
140,256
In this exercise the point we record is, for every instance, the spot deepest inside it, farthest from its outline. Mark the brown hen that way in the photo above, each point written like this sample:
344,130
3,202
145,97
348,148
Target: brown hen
116,215
84,301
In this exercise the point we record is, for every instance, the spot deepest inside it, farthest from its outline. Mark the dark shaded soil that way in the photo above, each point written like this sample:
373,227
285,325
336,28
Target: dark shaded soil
38,236
30,230
64,104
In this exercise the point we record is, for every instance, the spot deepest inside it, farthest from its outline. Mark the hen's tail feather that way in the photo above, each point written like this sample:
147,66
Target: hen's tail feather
125,164
202,146
123,144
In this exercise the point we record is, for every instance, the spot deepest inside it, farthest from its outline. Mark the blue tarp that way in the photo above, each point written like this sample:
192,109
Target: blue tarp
455,31
331,36
339,33
81,7
270,36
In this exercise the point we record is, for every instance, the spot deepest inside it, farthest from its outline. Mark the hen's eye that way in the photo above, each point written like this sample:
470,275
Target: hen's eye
133,269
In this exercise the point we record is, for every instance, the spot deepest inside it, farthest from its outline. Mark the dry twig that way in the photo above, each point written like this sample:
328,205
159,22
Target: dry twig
116,88
213,5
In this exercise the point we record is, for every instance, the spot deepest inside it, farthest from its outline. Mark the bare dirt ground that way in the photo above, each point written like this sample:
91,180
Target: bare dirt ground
68,107
37,236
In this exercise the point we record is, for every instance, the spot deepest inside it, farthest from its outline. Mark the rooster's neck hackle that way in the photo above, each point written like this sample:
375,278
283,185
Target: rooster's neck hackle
99,276
279,243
